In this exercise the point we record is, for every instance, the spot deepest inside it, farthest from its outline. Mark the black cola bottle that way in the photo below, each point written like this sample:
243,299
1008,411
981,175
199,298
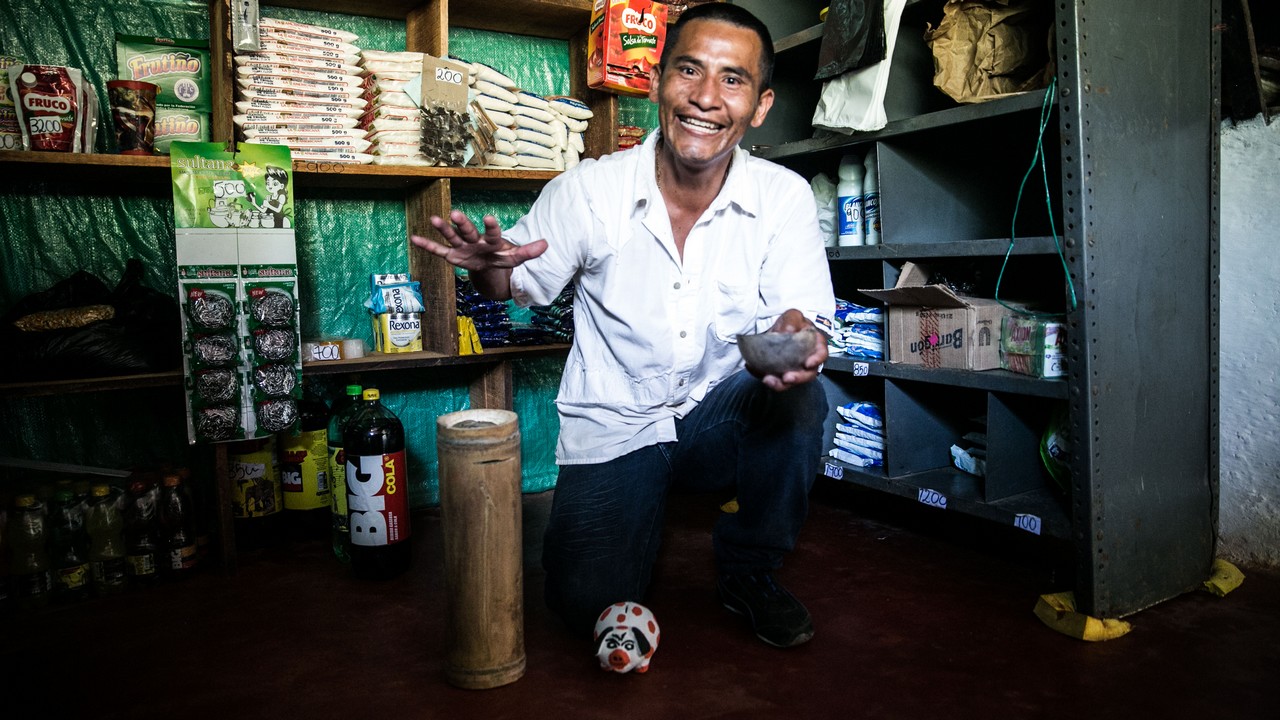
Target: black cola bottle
377,490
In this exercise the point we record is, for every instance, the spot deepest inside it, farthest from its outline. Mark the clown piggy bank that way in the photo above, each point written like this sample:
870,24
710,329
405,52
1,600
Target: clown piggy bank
626,637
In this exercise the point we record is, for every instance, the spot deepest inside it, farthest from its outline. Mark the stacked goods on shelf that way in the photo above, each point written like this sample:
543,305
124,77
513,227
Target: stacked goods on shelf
858,331
303,90
393,120
180,69
550,324
859,439
10,131
629,136
529,131
395,308
492,324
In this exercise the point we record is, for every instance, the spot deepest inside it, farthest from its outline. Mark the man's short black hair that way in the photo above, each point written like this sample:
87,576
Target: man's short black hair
734,15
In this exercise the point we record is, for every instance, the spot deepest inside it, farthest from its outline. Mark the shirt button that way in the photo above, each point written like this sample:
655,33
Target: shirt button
676,286
683,334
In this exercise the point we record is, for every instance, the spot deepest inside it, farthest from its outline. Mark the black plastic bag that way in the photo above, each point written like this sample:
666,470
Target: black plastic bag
144,336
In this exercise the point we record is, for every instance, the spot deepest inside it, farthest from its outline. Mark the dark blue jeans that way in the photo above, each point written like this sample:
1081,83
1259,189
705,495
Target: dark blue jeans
606,519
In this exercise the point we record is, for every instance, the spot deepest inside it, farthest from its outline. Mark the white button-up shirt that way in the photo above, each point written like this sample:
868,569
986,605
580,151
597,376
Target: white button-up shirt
653,333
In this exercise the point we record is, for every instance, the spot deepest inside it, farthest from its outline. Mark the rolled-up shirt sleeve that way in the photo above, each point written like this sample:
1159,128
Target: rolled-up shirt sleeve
795,273
560,216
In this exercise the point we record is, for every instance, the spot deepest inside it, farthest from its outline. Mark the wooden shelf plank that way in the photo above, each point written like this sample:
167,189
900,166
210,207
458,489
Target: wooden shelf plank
370,363
22,166
545,18
794,40
98,384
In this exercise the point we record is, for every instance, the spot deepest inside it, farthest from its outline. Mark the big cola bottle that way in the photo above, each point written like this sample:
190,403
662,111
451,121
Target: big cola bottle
377,490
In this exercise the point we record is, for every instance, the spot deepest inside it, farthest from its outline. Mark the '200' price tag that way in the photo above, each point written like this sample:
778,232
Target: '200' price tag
448,75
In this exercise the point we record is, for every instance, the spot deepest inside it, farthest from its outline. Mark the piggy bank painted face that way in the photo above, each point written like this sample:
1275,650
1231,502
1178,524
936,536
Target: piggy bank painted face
626,637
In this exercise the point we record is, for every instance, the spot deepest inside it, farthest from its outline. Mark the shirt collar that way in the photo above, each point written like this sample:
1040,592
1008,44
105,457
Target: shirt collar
737,190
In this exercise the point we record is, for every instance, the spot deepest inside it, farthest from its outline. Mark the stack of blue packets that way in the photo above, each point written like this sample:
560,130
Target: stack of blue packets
859,439
493,325
859,331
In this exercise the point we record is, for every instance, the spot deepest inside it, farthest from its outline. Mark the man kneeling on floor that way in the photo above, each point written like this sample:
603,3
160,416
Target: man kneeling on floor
675,247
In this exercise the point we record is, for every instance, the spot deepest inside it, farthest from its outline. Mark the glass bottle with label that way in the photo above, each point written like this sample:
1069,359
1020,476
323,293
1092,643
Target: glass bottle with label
106,541
29,560
68,548
141,562
177,529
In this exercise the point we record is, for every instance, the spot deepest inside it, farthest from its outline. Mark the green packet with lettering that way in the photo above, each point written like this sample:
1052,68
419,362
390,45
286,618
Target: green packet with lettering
179,67
179,123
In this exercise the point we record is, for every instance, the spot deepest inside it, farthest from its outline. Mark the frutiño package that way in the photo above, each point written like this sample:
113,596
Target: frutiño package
180,68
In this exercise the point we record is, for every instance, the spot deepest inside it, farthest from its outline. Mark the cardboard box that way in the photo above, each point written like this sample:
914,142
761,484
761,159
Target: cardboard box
624,41
931,325
1033,346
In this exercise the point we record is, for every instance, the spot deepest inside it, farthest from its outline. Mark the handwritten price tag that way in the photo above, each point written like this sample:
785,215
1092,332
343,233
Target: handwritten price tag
861,369
932,498
1030,523
833,471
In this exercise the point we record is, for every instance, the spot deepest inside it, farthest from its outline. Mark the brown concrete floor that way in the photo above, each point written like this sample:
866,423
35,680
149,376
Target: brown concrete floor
914,620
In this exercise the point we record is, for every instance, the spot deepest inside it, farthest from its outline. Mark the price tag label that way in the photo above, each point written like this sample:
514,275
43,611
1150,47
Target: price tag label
833,471
448,75
228,189
861,369
932,498
1030,523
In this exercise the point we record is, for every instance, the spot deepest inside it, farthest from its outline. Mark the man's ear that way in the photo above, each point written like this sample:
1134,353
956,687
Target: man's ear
655,76
762,108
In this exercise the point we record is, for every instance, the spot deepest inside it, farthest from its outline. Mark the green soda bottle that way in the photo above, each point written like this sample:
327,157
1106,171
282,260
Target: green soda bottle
343,410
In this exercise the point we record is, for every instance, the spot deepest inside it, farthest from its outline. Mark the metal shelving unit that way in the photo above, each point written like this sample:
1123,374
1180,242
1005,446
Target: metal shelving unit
1132,165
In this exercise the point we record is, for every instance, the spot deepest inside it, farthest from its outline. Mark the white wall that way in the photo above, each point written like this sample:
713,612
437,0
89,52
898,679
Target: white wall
1249,510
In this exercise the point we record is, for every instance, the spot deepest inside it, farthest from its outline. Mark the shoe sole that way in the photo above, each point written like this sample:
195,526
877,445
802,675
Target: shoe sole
800,639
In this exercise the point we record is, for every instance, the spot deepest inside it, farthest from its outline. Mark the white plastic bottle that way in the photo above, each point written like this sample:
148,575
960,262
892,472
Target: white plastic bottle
871,201
849,199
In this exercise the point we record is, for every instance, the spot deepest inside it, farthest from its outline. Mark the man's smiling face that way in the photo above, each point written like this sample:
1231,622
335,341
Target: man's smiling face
708,92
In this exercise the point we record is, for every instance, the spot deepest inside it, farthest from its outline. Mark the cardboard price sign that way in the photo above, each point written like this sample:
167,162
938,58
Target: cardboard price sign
444,84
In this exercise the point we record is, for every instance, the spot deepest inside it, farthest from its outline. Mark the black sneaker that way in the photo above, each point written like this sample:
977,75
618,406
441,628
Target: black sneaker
775,614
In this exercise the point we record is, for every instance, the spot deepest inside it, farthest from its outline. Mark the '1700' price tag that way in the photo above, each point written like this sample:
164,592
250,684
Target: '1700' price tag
1030,523
833,471
932,498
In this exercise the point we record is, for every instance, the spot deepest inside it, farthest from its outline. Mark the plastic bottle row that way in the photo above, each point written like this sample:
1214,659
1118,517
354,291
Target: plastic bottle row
342,475
858,201
100,540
